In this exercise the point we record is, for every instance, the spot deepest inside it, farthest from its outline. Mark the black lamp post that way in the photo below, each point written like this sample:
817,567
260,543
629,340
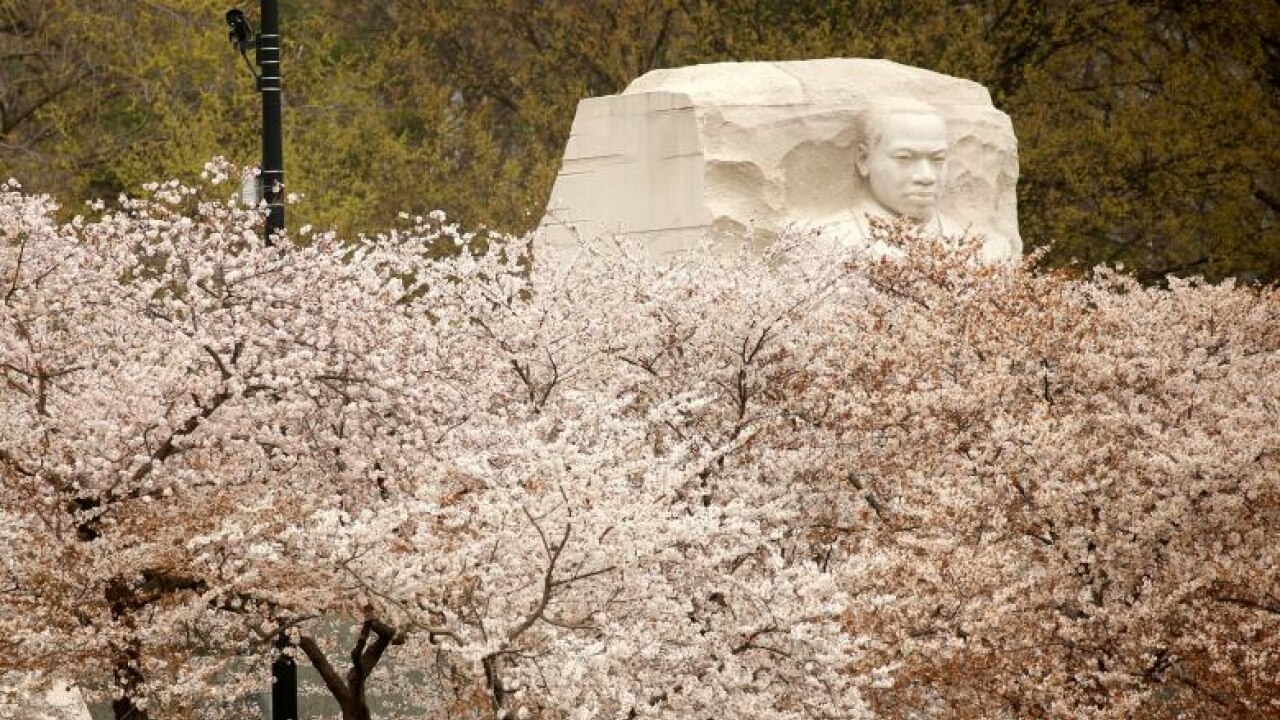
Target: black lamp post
284,684
272,134
267,48
284,671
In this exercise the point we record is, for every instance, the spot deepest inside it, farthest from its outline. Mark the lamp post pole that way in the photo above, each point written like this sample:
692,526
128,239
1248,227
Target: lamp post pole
269,84
284,670
284,684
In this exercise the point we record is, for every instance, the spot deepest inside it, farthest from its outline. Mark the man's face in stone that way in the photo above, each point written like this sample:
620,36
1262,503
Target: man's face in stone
906,161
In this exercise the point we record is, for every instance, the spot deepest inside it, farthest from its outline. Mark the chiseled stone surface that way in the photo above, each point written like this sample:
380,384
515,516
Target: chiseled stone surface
738,150
61,702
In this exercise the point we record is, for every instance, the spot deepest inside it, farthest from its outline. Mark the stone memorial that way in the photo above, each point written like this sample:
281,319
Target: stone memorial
59,702
741,152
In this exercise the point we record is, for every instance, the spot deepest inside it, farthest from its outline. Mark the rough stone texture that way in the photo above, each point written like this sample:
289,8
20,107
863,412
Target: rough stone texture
720,149
61,702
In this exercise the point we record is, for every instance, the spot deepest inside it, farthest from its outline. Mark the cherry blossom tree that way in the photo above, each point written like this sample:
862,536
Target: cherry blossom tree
816,483
158,364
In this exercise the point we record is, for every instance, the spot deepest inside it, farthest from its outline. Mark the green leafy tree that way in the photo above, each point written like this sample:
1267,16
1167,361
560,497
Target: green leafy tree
1147,129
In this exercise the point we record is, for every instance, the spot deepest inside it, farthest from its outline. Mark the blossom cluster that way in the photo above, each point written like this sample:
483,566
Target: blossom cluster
811,483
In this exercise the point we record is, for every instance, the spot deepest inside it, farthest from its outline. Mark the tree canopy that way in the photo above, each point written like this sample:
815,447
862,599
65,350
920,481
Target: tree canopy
1147,129
815,484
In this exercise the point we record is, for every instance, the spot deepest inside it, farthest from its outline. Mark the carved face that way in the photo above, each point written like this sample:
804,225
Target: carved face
906,161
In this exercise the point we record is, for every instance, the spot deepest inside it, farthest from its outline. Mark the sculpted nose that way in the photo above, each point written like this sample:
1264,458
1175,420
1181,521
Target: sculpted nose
924,173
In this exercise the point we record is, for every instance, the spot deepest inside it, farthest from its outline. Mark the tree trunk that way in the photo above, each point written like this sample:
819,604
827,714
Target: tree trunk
129,678
128,660
364,658
356,709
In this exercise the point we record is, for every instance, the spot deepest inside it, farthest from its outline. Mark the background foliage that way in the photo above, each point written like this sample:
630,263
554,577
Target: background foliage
1147,128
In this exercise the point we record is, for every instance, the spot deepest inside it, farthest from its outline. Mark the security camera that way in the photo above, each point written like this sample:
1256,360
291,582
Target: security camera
241,31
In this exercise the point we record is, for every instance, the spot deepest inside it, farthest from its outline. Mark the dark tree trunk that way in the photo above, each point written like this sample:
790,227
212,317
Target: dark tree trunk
124,709
128,660
350,693
129,679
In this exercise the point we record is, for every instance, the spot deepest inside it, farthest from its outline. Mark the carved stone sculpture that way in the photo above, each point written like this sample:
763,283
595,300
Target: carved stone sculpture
61,702
742,151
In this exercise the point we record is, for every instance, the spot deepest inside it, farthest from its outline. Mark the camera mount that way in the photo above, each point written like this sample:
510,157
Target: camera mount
242,37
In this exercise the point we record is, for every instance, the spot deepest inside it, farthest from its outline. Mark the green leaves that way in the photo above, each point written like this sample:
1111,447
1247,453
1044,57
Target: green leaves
1147,131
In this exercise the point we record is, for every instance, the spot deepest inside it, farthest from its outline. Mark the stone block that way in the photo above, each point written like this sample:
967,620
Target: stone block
725,149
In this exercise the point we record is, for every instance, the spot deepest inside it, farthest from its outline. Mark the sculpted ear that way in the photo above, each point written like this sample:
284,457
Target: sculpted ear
860,159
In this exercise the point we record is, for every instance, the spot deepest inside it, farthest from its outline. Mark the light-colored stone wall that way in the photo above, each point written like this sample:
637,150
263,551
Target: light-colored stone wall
61,702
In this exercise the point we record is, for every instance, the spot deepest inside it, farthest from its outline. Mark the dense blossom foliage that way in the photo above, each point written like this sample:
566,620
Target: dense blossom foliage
814,484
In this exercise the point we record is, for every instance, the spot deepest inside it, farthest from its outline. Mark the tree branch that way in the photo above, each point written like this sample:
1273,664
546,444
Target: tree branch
327,673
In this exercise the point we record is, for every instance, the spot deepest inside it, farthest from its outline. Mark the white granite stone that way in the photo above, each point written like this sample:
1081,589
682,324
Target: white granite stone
729,148
59,702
